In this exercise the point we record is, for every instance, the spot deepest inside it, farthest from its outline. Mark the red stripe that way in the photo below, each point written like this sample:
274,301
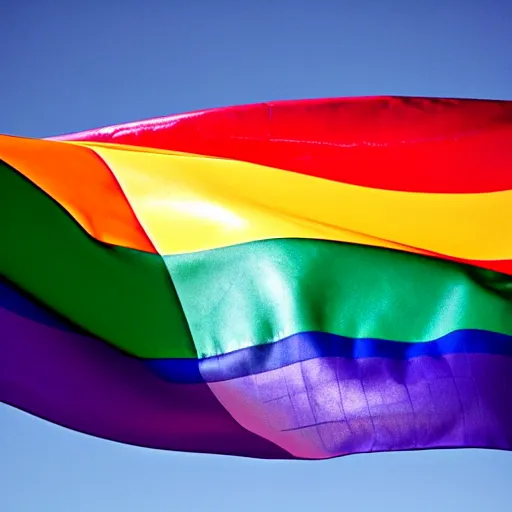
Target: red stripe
503,266
394,143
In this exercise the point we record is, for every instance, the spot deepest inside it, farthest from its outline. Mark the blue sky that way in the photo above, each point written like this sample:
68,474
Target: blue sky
69,65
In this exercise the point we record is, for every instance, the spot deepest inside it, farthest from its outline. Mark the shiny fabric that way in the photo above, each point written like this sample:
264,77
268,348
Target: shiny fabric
455,145
81,383
289,280
180,193
306,346
329,407
212,202
125,297
321,407
57,169
282,287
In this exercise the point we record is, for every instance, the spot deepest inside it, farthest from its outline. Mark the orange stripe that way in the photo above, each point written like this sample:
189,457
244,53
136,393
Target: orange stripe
503,266
81,182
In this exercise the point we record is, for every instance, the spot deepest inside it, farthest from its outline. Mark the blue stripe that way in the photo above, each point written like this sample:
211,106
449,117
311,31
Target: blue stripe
11,299
294,349
311,345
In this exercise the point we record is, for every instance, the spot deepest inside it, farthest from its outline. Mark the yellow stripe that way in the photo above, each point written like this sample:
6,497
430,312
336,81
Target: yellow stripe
136,149
189,203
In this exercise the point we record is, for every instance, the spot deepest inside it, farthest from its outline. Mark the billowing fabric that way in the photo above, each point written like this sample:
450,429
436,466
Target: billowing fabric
288,280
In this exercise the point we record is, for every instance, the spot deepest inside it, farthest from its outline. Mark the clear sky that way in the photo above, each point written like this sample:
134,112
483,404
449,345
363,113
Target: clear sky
69,65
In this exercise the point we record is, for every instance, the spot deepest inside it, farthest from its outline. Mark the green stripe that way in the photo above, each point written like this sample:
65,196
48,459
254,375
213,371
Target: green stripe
260,292
238,296
124,296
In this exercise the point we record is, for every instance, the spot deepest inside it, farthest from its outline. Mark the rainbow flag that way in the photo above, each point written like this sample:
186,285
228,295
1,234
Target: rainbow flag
286,280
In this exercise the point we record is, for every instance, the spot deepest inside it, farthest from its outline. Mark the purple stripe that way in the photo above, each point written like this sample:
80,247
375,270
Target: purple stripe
318,408
82,383
334,406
